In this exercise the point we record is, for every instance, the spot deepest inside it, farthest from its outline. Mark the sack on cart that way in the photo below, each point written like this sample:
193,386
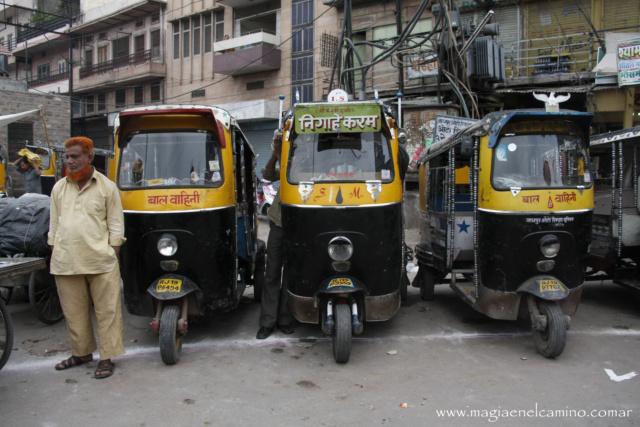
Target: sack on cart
24,224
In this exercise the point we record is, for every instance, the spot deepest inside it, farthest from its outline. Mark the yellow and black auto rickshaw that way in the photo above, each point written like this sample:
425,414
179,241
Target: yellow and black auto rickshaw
506,209
341,194
186,176
615,246
5,179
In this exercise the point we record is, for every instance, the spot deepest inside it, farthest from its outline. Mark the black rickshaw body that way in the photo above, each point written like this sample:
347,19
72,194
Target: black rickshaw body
505,213
340,182
615,248
186,175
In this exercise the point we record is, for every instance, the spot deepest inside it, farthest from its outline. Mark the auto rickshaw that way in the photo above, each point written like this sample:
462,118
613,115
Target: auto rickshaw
615,246
341,195
186,176
5,179
506,208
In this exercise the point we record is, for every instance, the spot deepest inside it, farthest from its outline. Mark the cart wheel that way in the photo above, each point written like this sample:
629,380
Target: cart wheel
170,338
5,294
342,334
259,271
552,340
43,297
6,334
427,283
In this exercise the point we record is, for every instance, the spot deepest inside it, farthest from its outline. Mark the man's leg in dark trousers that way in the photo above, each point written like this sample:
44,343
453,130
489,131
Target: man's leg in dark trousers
274,295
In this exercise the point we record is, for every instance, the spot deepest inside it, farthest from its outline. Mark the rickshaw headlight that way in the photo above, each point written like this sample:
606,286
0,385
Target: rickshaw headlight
549,245
167,245
340,249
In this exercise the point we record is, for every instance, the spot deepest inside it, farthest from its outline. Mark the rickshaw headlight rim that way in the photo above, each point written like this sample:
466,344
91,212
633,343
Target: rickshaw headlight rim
167,245
340,249
549,246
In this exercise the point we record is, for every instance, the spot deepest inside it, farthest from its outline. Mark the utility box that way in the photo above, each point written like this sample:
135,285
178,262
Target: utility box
486,60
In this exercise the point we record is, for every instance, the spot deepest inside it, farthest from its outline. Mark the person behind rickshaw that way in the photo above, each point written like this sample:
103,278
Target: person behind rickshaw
30,170
273,310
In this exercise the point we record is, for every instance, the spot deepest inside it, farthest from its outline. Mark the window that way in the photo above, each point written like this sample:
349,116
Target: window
155,18
198,93
302,68
344,157
155,43
185,38
88,58
102,102
196,34
138,44
121,98
121,48
207,32
155,92
62,66
219,24
176,40
10,42
43,71
304,90
301,12
102,54
88,39
138,94
89,102
255,85
102,36
139,22
180,158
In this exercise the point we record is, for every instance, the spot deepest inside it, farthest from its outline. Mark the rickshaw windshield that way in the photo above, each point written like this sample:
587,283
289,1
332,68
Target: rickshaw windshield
540,161
181,158
345,157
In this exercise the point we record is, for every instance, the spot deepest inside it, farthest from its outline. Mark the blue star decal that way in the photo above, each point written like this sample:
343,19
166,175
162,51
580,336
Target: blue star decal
464,227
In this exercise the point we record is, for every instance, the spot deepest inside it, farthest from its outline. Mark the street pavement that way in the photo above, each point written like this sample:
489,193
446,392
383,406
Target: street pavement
433,356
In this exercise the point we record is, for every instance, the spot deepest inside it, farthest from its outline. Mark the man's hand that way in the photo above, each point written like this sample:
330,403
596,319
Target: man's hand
117,251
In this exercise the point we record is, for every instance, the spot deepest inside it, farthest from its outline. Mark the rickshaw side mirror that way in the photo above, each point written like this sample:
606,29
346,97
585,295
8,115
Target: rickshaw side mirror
402,136
466,146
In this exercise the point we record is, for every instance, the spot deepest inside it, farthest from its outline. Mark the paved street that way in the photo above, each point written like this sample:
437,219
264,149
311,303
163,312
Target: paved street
432,356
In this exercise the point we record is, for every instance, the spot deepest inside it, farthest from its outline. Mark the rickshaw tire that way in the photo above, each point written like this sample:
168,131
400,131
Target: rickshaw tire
8,326
427,283
170,341
342,333
404,289
43,297
551,342
259,271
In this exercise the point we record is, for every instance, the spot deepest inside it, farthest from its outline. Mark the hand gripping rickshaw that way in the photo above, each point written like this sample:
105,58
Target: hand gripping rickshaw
615,246
506,209
341,194
186,176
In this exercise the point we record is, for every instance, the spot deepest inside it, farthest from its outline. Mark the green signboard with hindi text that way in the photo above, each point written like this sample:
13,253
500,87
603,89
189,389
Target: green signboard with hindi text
337,118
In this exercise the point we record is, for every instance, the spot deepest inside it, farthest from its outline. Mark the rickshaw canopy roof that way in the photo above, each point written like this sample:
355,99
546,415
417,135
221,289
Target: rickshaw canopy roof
217,113
606,138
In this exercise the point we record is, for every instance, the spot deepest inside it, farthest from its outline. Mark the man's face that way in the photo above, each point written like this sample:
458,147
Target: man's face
76,159
23,165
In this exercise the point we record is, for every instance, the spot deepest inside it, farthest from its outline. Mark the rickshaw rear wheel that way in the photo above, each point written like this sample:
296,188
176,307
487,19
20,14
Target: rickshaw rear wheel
259,271
6,341
170,338
427,283
550,342
43,297
342,334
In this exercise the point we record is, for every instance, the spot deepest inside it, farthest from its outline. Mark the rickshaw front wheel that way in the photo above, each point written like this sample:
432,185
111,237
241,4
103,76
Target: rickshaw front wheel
170,338
550,342
342,333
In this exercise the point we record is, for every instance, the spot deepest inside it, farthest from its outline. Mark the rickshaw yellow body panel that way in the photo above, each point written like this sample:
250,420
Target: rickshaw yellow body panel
176,199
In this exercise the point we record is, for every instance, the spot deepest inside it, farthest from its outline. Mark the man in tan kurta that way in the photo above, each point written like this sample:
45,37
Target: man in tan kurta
86,231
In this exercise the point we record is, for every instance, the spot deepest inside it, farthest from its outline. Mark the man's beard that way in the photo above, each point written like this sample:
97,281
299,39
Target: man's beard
80,175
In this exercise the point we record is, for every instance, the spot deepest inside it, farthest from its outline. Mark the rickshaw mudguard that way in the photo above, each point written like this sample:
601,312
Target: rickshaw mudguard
545,287
171,287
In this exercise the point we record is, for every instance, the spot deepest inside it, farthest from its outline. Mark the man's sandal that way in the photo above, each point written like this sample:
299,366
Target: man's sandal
104,370
73,361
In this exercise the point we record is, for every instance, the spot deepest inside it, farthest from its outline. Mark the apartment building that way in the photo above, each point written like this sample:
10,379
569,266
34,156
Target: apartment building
119,62
243,54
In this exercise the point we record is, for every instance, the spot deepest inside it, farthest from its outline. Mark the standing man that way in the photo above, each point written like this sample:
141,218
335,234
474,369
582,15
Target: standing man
274,311
31,174
86,231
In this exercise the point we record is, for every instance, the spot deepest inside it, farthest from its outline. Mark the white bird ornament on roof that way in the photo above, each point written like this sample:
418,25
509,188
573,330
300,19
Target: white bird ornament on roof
551,101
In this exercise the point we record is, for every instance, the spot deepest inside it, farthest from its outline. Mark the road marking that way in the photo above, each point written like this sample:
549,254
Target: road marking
456,336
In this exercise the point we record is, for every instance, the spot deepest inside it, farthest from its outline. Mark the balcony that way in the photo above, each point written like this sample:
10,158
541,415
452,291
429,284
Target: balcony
135,67
247,54
46,79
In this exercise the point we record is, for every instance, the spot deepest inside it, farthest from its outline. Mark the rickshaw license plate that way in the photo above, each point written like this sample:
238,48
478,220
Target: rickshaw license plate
549,285
169,285
341,281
